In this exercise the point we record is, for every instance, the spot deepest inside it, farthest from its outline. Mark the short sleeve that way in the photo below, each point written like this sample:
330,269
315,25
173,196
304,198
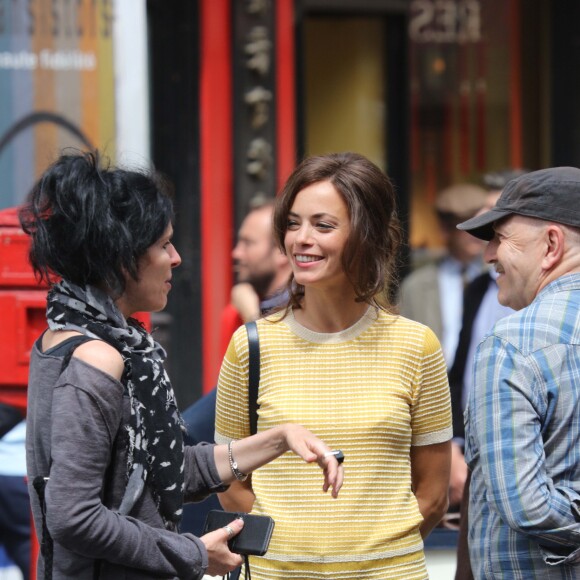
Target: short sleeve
232,419
431,411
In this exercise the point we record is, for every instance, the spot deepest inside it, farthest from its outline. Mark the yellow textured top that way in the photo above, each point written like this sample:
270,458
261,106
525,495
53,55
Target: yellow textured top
372,391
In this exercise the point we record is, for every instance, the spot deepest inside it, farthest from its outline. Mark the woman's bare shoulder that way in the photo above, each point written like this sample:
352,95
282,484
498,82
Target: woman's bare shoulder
102,356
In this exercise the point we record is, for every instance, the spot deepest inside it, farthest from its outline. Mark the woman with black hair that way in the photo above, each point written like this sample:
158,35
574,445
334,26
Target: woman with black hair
104,432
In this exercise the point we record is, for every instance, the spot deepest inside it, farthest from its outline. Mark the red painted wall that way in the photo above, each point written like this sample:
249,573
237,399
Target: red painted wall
216,175
216,110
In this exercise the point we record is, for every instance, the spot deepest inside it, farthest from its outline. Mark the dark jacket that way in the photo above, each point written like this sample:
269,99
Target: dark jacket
472,298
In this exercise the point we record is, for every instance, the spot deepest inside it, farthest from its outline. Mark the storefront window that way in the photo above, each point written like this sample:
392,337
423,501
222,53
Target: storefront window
478,85
476,100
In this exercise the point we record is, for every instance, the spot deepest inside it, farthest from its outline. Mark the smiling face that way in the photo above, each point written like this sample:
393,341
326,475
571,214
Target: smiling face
516,252
317,231
149,292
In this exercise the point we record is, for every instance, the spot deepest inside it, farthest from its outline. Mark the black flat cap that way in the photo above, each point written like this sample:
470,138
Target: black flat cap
551,194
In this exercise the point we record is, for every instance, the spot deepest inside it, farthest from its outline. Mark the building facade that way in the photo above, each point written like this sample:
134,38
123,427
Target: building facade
433,91
225,96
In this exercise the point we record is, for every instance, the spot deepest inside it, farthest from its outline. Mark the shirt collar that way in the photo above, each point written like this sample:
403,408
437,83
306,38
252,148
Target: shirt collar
563,283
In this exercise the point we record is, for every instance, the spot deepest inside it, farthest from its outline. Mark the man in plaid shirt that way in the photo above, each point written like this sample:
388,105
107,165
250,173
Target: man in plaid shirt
523,415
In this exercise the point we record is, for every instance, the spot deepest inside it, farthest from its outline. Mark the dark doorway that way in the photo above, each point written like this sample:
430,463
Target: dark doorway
174,74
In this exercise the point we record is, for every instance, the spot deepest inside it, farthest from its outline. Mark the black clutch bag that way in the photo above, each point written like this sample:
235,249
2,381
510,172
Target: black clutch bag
255,535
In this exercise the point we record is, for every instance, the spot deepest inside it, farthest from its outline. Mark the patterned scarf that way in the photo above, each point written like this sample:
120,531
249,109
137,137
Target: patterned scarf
155,456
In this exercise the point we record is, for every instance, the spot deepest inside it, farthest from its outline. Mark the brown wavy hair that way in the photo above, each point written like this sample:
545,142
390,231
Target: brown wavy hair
370,258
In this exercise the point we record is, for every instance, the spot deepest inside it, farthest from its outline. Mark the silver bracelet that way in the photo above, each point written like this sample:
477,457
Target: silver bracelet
234,466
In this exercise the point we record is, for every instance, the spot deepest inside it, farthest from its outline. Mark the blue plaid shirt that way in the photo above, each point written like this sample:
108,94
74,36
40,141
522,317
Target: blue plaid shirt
523,441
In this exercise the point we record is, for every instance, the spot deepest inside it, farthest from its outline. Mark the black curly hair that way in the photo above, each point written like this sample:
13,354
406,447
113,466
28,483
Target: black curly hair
90,223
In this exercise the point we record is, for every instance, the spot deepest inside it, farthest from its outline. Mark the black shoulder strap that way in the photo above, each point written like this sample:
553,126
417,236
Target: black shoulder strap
253,374
67,348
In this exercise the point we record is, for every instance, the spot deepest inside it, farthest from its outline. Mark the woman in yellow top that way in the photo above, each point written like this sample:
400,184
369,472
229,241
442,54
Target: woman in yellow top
340,361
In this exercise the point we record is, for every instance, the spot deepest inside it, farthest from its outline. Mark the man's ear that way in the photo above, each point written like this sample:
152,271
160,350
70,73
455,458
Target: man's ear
555,241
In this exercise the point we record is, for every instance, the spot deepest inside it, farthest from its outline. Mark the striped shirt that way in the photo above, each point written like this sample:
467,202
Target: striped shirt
372,390
523,441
